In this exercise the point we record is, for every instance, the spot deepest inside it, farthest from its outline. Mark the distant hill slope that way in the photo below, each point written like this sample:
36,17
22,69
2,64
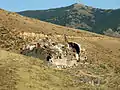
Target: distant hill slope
12,24
79,16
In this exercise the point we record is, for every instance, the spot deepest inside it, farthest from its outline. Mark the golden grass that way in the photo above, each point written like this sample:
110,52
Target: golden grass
22,73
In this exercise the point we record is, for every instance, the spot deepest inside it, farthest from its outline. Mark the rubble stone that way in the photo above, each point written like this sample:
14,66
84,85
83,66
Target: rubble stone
57,54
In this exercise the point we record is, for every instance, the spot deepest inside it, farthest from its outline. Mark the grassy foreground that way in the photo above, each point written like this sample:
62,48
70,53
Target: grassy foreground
19,72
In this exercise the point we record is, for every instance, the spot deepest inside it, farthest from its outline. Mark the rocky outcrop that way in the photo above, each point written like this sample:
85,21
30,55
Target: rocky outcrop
57,54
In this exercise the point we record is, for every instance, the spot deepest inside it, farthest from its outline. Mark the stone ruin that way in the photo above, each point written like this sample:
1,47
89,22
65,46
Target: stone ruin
56,54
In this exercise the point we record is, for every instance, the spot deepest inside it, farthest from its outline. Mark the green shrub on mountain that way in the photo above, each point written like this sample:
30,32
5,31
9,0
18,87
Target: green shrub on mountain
112,33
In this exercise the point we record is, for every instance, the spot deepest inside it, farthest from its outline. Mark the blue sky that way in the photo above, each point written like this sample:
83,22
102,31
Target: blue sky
20,5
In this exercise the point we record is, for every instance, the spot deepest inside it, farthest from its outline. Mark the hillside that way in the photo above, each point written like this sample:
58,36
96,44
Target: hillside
12,25
18,72
101,70
80,17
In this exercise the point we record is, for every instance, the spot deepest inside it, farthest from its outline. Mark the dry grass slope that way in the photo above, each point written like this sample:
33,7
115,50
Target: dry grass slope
19,72
22,73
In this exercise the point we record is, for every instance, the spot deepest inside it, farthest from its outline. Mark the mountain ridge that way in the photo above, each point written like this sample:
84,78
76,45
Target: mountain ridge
80,17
